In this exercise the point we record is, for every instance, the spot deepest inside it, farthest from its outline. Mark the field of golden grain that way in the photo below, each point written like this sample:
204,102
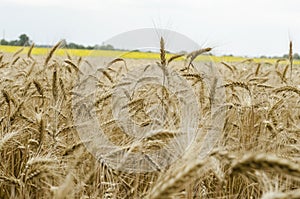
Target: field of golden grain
255,104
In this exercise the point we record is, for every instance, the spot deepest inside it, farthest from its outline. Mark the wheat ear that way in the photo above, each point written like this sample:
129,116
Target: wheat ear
176,179
266,162
53,49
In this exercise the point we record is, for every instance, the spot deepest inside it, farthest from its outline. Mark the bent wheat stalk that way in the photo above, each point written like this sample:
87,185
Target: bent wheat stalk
174,180
266,162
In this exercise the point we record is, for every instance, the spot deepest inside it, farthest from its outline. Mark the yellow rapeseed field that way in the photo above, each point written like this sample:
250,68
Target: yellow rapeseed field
128,54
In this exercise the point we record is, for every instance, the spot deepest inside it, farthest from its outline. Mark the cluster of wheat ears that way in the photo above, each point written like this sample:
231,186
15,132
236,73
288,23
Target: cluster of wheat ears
257,153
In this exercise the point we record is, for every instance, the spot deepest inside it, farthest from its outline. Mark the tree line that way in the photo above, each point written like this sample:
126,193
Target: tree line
24,40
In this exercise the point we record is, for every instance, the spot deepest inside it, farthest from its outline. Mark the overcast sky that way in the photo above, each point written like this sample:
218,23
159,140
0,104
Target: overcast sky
239,27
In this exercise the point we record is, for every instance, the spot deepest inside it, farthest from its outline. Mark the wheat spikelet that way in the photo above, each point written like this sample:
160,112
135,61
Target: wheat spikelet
271,113
291,59
233,67
238,84
266,162
54,85
134,103
26,89
106,74
68,55
281,76
89,64
174,57
7,138
277,63
79,61
16,112
73,148
53,49
212,91
38,87
268,63
62,87
67,61
118,60
4,65
6,96
162,135
259,79
18,52
40,160
194,75
163,61
217,168
193,55
247,60
103,98
257,69
30,51
66,128
196,53
25,62
30,69
287,88
10,180
175,180
2,119
35,173
14,61
41,133
199,78
285,71
9,98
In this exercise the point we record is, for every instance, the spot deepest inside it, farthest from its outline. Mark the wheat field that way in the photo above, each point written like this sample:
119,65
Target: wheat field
256,154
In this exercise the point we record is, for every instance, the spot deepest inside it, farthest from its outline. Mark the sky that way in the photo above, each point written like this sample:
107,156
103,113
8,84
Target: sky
239,27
